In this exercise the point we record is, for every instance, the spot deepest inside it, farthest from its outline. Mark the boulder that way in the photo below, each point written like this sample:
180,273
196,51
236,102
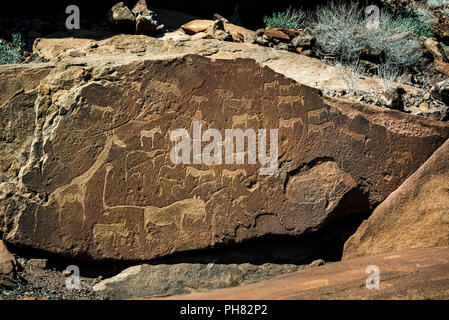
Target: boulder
276,33
99,181
166,280
304,39
392,98
8,264
147,24
239,34
196,26
440,91
217,31
434,48
415,215
442,67
411,274
141,6
121,18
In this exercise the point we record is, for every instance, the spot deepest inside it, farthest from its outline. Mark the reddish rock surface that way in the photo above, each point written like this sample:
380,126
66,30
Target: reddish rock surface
239,34
415,215
8,264
276,33
98,181
411,274
442,67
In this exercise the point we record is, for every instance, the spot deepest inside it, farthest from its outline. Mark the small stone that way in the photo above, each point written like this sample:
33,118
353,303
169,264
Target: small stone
433,47
37,263
440,91
442,67
275,33
392,98
262,41
8,264
307,53
140,6
317,263
217,31
424,106
306,39
281,46
221,18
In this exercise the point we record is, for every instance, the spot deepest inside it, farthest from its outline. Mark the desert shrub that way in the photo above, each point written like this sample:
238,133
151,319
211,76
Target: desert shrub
336,26
402,51
412,25
290,19
420,13
11,52
349,72
340,30
387,74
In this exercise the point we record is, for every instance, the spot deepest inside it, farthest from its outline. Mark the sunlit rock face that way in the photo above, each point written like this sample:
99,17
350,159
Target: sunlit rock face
96,177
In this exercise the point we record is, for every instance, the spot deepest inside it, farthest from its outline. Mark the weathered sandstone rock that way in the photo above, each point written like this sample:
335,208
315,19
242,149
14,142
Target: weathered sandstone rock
308,71
276,33
121,18
165,280
8,264
415,215
141,6
239,34
433,47
442,67
99,182
440,91
17,119
412,274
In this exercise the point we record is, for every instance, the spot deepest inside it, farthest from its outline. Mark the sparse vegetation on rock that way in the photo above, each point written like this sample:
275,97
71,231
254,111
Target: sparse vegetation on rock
87,168
11,52
341,31
289,19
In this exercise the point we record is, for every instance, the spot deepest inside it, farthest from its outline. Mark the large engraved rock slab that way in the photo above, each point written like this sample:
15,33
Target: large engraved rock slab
99,181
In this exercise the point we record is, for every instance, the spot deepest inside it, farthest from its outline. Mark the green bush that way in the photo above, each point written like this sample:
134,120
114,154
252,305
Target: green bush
420,13
412,25
290,19
11,52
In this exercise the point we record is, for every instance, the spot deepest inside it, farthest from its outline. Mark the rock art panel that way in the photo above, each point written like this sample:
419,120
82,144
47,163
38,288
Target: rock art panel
99,181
